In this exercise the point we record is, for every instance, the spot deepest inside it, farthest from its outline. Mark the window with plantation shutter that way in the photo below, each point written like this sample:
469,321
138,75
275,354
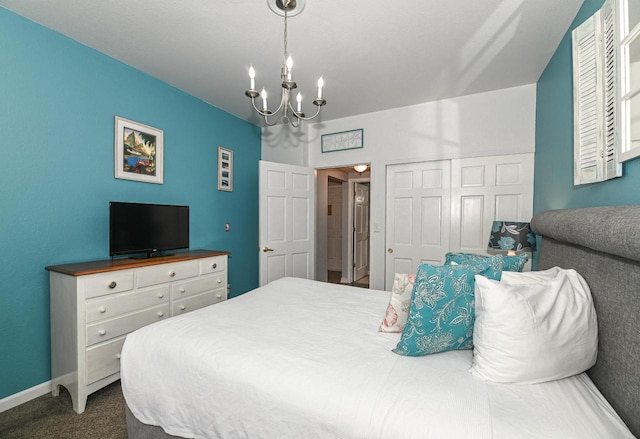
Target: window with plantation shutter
628,117
594,98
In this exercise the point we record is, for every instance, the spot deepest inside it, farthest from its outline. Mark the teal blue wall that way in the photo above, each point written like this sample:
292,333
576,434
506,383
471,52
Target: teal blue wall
58,100
554,140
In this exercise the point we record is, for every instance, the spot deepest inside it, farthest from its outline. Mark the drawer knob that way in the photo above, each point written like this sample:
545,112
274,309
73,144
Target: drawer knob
117,356
182,307
219,281
160,295
172,274
160,314
219,296
102,310
113,284
214,265
182,290
102,332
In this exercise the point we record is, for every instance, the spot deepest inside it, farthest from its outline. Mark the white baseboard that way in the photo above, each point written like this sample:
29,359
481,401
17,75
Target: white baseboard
26,395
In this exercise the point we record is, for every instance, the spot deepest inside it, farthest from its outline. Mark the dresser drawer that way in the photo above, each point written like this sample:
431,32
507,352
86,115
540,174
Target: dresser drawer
109,283
197,286
104,360
167,273
213,265
108,329
192,303
116,304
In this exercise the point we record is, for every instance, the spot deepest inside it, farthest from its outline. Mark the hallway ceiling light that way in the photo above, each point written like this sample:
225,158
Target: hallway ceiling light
284,8
360,168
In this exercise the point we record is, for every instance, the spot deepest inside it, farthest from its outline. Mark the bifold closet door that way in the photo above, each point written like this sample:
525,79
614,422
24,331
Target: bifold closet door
487,189
440,206
418,216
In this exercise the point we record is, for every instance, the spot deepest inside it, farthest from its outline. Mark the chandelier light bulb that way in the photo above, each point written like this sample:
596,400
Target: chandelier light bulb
263,94
299,99
289,66
320,85
252,76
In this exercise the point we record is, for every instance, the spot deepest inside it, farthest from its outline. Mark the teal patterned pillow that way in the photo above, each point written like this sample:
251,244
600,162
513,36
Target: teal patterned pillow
511,263
442,308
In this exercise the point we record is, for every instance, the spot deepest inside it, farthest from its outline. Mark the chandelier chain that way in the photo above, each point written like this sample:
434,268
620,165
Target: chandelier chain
286,6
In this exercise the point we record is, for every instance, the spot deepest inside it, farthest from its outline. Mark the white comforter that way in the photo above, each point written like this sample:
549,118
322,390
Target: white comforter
304,359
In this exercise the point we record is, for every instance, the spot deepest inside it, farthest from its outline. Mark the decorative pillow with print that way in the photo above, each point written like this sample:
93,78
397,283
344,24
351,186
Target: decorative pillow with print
396,316
511,263
442,310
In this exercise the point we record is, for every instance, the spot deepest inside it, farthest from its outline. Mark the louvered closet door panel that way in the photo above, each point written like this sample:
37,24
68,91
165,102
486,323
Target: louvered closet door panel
485,189
418,209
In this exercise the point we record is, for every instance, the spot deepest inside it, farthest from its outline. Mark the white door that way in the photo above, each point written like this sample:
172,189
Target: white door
287,218
485,189
334,227
418,216
361,231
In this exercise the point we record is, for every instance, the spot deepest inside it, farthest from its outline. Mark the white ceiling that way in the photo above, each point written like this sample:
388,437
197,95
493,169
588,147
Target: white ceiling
373,54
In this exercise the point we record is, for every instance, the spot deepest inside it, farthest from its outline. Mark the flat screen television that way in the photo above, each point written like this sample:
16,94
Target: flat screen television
147,229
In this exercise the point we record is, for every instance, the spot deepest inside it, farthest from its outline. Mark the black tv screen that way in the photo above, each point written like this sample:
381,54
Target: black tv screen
147,228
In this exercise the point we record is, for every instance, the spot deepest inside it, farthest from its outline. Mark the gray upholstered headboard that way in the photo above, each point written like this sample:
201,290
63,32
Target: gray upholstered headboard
603,245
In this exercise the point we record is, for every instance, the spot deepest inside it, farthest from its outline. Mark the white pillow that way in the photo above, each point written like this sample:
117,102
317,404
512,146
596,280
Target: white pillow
533,328
531,277
398,310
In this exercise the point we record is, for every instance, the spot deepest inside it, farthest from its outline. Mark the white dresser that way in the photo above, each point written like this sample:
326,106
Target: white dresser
94,305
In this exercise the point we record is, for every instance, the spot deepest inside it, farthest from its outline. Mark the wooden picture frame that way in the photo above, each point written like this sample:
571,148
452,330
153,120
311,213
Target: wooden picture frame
225,169
353,139
139,151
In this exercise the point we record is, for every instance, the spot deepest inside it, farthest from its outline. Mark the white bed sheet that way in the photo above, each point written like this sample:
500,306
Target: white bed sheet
304,359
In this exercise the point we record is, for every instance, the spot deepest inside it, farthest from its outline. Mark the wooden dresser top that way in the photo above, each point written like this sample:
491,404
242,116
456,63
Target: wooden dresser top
92,267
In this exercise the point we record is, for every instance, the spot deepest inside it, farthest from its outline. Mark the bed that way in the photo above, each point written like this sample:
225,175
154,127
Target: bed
304,359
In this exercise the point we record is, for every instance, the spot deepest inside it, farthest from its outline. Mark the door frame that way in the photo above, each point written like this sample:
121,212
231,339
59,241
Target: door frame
347,224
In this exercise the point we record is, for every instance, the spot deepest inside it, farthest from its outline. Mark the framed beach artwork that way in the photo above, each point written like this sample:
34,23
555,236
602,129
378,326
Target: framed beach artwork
225,169
139,151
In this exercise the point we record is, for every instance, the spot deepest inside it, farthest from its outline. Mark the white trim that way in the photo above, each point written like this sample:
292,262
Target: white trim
26,395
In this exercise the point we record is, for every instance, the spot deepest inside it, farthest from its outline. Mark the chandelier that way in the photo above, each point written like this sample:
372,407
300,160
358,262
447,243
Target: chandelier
289,114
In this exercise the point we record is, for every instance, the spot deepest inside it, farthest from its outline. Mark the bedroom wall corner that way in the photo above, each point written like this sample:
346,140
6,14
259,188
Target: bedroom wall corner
286,144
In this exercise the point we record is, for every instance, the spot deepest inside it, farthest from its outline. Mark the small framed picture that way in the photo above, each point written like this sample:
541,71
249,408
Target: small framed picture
343,140
225,169
139,151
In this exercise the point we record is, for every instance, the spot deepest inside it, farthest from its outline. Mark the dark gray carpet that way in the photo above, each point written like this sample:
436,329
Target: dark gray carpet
49,417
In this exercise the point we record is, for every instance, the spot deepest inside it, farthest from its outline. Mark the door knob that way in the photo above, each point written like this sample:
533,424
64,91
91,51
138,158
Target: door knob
389,250
267,249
